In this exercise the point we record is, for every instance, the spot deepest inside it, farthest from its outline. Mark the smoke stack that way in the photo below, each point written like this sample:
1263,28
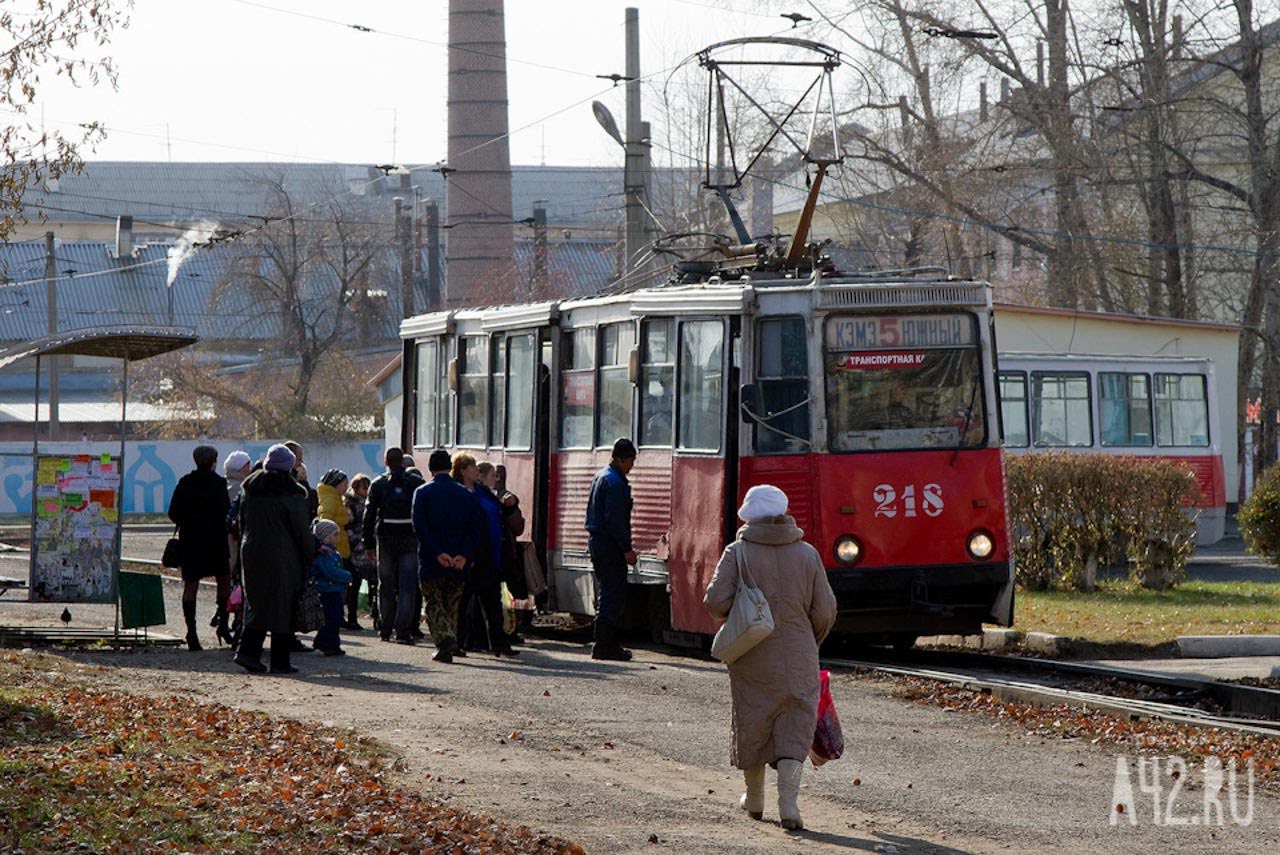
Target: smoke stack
480,248
124,236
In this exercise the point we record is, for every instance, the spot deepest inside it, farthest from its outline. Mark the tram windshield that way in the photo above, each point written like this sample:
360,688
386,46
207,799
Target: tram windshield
911,381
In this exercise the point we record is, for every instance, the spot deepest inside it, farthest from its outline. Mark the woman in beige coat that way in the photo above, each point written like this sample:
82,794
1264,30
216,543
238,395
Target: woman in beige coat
775,684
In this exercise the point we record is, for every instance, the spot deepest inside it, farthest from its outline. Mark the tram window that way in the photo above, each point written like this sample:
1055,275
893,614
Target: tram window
701,381
473,390
448,399
1060,414
1013,407
782,376
1182,410
1124,409
657,382
428,396
578,388
498,371
613,416
520,374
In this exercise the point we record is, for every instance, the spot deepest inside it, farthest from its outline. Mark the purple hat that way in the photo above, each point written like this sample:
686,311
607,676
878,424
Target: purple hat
279,459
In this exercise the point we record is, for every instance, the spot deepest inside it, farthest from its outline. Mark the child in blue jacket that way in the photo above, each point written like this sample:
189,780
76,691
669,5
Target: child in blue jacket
331,583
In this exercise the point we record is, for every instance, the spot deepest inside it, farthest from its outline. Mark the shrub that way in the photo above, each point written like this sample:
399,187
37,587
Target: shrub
1069,514
1259,516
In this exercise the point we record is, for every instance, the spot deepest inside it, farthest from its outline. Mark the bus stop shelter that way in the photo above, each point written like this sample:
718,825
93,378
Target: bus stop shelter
76,500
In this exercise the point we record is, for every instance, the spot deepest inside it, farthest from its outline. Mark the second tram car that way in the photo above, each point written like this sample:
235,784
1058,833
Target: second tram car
870,400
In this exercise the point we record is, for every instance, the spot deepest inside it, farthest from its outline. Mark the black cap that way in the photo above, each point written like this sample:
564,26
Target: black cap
624,449
439,461
333,477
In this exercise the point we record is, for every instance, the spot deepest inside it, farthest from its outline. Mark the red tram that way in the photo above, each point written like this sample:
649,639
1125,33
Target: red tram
870,400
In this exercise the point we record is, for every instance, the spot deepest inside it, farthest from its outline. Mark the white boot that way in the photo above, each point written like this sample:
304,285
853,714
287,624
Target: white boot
752,800
788,788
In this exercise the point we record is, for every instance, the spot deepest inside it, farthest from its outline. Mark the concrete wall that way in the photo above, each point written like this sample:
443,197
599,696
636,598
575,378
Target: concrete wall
152,469
1023,329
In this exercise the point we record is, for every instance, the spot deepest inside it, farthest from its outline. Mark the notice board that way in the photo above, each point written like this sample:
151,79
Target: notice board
75,546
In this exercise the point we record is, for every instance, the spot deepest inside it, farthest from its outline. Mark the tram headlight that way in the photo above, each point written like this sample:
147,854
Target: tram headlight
980,545
847,549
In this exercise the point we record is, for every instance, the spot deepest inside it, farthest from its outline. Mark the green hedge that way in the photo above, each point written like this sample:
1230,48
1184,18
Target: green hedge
1259,516
1069,514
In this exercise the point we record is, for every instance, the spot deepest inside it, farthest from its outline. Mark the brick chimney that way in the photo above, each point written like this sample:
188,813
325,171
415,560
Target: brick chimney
480,247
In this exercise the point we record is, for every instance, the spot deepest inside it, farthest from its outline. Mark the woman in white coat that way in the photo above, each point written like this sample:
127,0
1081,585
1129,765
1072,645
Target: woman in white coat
775,684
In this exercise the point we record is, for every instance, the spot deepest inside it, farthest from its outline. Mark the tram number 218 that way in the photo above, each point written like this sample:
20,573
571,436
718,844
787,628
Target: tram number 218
889,502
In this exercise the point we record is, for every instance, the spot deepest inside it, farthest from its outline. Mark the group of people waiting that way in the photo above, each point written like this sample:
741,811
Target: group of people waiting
449,540
261,531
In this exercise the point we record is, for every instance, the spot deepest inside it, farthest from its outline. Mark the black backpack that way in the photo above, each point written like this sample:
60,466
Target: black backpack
397,495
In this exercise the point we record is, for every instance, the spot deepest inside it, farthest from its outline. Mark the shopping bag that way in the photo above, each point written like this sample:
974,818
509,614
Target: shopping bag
235,600
749,621
828,738
534,579
308,612
508,611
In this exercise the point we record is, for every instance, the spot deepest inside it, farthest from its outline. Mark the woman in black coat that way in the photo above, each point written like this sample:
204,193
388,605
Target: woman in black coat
199,509
276,550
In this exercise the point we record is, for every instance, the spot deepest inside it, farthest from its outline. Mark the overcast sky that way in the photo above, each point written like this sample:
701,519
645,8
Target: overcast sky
219,80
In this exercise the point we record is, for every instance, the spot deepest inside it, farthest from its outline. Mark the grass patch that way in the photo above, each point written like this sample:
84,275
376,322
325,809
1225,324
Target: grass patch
1119,613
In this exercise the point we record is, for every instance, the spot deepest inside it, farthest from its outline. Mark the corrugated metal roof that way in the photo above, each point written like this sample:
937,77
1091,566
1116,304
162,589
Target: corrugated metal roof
174,193
96,412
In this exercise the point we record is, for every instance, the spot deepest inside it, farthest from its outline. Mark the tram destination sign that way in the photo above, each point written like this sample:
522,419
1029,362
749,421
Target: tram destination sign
895,332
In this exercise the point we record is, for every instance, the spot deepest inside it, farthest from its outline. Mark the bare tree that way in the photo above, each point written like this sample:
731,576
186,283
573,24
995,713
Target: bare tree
50,38
321,277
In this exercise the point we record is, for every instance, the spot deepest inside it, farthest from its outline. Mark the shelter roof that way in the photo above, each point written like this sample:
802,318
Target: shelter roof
121,342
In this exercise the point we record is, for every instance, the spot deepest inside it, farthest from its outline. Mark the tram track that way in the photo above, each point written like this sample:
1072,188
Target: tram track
1196,701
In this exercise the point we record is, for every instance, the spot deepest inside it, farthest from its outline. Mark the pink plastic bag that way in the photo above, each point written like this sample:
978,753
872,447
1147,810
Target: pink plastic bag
235,600
828,738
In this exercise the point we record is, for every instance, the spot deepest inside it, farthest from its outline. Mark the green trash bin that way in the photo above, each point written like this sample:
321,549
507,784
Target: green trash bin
141,600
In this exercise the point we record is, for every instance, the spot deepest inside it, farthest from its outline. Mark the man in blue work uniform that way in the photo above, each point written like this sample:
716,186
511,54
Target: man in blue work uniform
609,526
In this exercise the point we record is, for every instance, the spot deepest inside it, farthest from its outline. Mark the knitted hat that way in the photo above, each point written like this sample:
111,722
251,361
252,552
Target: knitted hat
235,461
279,459
324,529
333,477
762,501
624,449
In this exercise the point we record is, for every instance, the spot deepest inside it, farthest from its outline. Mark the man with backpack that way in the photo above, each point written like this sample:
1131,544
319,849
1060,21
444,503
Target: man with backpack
388,523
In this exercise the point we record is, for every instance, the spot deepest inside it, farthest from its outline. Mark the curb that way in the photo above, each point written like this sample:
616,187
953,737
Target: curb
1224,646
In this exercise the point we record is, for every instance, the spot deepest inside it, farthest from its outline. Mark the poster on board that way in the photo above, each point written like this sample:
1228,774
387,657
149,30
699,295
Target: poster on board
75,551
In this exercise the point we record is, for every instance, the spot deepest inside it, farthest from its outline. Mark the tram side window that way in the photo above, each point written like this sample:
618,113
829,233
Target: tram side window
613,416
782,377
700,410
498,371
1182,410
1060,414
428,396
448,398
521,370
473,397
1013,408
657,382
1124,409
578,388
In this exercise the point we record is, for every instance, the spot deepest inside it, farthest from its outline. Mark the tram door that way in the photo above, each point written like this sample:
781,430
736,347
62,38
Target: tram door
703,465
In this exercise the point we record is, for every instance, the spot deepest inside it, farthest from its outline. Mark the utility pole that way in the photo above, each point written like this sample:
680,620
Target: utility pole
435,299
406,259
633,178
539,290
51,305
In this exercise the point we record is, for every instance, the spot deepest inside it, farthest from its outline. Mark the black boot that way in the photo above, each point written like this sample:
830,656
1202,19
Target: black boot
281,644
189,613
607,646
223,632
353,605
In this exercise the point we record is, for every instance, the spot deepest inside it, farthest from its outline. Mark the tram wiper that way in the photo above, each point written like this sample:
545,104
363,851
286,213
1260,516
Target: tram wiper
968,418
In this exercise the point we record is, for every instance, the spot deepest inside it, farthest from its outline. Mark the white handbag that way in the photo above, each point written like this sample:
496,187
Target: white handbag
749,621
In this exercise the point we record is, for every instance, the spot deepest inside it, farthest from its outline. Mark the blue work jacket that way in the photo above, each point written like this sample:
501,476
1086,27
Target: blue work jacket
609,508
446,519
